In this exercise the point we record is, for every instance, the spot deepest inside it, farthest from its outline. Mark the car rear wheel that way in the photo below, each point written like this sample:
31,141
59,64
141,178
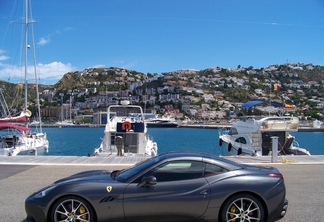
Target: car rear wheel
72,208
242,207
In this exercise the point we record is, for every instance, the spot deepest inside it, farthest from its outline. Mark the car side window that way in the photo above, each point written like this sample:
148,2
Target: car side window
177,170
212,169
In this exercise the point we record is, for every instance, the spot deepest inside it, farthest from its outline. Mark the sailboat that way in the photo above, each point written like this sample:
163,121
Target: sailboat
65,122
16,137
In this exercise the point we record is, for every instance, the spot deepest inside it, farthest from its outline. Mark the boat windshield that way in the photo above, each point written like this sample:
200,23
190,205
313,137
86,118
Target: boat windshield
125,110
233,131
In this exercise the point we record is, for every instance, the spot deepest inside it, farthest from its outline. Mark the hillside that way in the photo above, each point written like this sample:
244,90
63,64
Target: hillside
14,94
81,79
301,86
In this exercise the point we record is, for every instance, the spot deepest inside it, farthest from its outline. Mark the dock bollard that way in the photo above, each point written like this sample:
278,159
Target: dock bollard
274,156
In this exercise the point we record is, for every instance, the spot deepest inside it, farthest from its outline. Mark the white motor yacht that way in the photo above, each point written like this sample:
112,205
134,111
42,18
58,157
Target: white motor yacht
126,133
253,136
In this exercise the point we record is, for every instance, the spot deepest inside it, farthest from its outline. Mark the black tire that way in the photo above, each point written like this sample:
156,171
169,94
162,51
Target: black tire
242,207
71,208
220,142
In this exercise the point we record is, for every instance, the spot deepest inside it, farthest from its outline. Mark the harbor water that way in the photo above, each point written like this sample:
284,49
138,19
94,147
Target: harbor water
81,141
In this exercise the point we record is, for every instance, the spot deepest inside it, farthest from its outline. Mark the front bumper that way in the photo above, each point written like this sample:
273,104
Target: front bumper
35,213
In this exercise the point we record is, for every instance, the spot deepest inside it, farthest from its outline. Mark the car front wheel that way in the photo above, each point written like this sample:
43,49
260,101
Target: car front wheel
242,207
71,208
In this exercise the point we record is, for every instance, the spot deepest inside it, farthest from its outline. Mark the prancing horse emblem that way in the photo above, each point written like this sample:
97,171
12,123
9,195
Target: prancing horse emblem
109,189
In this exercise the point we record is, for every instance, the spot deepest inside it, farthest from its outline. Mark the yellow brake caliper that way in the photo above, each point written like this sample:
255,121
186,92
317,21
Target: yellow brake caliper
233,210
82,211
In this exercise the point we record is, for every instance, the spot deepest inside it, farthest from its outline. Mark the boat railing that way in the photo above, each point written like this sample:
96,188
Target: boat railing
223,131
295,143
287,124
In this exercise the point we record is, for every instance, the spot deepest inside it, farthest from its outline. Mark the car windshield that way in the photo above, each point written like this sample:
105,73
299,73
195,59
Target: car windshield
124,175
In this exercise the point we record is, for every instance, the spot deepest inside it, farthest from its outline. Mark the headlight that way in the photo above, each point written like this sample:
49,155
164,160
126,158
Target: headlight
44,192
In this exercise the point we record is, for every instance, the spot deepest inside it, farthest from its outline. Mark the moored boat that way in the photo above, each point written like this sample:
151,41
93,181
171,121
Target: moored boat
15,140
126,133
16,137
253,136
65,123
161,122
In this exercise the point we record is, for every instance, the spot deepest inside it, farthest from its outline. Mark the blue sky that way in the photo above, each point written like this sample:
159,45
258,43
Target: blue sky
156,36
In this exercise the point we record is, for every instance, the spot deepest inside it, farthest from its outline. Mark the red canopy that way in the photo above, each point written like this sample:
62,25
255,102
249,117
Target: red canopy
13,126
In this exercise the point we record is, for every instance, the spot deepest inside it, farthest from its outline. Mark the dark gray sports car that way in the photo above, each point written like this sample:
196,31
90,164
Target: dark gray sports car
169,187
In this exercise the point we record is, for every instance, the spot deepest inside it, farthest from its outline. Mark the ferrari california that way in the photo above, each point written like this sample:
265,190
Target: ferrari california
178,186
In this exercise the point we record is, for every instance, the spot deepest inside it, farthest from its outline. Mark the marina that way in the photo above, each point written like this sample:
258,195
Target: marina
77,150
81,141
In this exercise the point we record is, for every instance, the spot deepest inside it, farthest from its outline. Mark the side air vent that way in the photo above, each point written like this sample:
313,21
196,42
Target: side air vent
108,199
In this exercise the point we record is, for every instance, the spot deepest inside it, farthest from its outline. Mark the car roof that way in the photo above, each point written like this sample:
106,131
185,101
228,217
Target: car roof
200,156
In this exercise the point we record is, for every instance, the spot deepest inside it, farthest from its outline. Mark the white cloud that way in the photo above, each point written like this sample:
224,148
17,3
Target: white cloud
43,41
126,65
2,57
130,65
98,66
48,74
68,29
51,73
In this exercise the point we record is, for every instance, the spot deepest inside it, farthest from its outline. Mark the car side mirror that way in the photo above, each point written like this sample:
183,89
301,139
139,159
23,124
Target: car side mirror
148,181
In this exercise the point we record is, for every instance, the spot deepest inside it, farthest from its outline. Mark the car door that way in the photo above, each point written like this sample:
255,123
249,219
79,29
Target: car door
181,192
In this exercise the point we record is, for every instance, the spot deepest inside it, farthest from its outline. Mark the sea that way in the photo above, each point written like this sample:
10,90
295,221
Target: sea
81,141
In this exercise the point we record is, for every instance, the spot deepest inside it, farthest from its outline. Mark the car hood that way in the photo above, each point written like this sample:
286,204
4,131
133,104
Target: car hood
92,175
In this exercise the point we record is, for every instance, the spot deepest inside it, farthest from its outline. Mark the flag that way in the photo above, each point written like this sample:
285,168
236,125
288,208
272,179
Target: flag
20,86
275,87
288,106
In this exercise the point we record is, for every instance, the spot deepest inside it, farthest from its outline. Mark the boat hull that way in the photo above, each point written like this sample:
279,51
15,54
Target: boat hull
13,145
162,125
253,136
233,150
35,151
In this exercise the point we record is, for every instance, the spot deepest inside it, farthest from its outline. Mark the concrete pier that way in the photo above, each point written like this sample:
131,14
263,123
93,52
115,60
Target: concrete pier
128,161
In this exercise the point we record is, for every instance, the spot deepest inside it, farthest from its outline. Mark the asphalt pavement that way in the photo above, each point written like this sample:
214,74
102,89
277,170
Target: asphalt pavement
304,183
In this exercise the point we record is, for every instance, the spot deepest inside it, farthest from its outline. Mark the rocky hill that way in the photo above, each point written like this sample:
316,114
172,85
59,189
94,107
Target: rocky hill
301,84
300,72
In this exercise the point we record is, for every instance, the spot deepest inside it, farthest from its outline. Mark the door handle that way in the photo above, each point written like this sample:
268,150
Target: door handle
204,192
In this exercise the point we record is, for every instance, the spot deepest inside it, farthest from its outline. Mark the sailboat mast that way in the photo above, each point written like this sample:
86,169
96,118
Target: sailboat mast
36,77
26,51
70,109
